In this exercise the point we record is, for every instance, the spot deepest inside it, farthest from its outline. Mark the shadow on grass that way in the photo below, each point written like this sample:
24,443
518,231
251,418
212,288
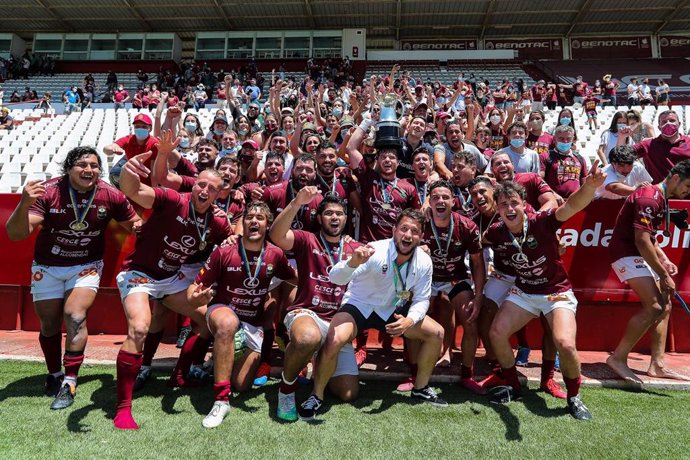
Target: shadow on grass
102,398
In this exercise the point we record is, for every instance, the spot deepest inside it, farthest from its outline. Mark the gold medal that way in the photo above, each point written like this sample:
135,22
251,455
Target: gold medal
386,206
78,226
202,245
405,295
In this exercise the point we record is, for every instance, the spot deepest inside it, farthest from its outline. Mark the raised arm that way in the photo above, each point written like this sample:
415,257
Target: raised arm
130,181
21,223
583,196
281,234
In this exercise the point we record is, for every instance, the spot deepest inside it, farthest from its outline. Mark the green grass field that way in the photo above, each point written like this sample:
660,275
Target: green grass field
381,424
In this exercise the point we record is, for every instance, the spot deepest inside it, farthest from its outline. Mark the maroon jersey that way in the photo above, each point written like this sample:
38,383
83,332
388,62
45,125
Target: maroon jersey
462,203
499,139
590,104
171,236
500,257
450,265
278,196
378,212
342,184
540,144
563,173
61,246
539,269
235,287
534,186
644,209
315,291
659,155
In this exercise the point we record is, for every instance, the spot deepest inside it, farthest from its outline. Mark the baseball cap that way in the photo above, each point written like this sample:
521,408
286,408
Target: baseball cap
347,122
220,118
308,127
142,117
287,111
251,144
442,115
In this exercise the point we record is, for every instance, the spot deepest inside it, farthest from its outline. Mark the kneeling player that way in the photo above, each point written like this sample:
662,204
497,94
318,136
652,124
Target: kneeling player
318,299
234,283
541,285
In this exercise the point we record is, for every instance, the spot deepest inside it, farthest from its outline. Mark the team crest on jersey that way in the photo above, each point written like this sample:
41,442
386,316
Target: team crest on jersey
269,269
384,268
102,213
315,300
531,242
313,213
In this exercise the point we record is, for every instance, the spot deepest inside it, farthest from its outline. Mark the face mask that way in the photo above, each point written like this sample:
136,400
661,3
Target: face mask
225,151
495,119
191,127
337,113
563,147
218,132
669,130
121,88
621,126
517,143
141,133
184,142
242,132
537,124
565,120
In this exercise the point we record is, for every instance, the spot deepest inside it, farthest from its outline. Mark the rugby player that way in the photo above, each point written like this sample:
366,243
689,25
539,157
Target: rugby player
318,299
234,283
73,211
530,243
637,260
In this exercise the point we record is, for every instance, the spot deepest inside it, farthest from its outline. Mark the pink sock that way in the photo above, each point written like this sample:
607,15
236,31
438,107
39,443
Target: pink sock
128,365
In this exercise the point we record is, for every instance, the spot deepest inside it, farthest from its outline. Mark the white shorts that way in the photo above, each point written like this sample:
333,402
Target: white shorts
131,282
253,335
49,282
627,268
537,304
191,270
347,364
275,281
497,286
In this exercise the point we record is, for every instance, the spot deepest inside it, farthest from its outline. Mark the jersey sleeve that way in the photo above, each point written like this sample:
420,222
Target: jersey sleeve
122,208
283,269
165,197
210,272
471,235
645,209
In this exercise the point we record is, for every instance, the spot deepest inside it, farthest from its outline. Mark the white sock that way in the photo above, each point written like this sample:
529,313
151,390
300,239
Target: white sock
57,374
72,380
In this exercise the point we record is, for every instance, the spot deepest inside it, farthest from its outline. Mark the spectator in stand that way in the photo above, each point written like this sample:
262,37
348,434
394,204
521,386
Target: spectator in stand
253,91
200,97
589,107
662,94
134,144
538,140
646,97
610,89
482,139
154,97
661,153
111,81
617,134
6,120
563,168
523,158
538,96
624,174
121,96
44,104
633,93
72,100
639,129
551,96
143,79
14,97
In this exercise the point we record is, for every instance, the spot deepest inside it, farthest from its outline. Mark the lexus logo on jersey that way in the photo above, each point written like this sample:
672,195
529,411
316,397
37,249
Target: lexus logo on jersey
251,283
188,241
519,258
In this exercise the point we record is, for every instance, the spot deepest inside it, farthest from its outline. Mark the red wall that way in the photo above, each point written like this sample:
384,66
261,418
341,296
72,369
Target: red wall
605,304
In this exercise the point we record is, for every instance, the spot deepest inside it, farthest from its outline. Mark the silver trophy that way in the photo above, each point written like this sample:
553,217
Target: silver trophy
388,127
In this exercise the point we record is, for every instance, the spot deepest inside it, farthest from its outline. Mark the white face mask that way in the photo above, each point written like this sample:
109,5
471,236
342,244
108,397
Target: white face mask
495,119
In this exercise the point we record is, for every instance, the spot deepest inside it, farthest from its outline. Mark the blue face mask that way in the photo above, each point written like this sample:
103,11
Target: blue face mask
191,127
517,143
563,147
242,132
565,120
141,133
337,113
218,132
184,142
621,126
224,152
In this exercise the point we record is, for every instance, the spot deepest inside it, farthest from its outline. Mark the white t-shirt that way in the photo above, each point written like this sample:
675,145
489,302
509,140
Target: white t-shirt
609,140
638,175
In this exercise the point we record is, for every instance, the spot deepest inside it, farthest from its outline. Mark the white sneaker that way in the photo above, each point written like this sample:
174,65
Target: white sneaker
218,412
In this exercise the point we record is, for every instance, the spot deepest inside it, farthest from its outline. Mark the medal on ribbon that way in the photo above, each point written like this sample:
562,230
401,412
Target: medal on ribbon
79,224
253,280
451,228
203,232
520,256
387,198
329,252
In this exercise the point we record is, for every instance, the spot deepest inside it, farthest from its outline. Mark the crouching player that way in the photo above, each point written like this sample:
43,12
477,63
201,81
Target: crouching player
541,284
318,299
234,284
